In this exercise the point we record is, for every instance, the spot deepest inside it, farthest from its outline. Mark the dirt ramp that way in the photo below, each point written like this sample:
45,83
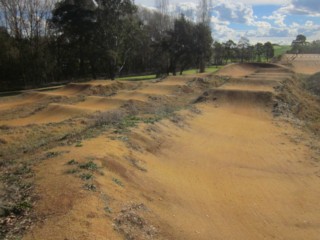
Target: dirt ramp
238,97
96,88
131,95
100,103
71,89
53,113
25,99
245,69
302,63
254,82
237,70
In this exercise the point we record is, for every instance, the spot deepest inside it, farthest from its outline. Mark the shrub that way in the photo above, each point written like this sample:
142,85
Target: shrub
89,166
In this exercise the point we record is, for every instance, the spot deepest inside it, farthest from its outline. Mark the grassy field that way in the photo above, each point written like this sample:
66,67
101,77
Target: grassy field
281,49
138,78
210,69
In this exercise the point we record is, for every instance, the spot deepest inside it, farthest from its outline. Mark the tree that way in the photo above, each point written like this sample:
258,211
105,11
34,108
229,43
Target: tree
203,42
26,18
229,49
268,50
243,46
101,33
298,44
163,8
259,51
218,53
180,45
9,60
26,23
116,33
75,23
301,39
204,13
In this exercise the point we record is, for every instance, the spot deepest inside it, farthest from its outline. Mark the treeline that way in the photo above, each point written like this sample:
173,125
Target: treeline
300,46
43,42
242,51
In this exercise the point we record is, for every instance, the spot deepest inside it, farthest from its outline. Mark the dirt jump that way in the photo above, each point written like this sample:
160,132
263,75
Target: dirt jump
199,157
302,63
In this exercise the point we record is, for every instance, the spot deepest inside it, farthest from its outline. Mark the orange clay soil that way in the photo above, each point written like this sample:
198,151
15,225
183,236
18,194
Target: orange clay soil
225,174
228,170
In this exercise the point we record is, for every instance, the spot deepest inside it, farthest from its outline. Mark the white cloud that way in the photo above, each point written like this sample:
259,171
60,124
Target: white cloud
234,12
250,2
276,27
302,7
312,6
278,18
265,2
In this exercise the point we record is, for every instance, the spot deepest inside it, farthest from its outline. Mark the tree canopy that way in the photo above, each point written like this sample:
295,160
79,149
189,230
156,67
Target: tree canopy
83,39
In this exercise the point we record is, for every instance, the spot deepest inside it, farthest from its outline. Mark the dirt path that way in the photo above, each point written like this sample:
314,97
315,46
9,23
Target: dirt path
232,171
235,175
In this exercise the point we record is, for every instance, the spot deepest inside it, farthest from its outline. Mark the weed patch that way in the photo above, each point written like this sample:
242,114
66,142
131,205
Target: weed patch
21,208
108,209
108,118
89,166
79,144
132,225
72,162
90,187
118,182
52,154
86,176
72,171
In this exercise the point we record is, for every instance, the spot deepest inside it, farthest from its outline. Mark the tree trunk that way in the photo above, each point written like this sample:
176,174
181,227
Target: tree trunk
202,65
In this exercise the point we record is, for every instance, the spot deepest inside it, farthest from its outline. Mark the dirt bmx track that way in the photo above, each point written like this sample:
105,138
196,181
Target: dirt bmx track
229,170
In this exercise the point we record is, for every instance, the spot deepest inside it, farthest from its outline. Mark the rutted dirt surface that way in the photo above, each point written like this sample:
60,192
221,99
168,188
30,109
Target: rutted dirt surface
222,167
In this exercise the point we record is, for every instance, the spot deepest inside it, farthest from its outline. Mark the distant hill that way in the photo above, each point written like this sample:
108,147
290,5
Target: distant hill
280,49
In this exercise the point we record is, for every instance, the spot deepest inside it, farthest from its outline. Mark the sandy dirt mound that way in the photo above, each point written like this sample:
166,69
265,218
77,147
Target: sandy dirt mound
245,69
101,88
255,89
302,63
131,95
159,89
53,113
71,89
100,103
237,70
21,100
238,97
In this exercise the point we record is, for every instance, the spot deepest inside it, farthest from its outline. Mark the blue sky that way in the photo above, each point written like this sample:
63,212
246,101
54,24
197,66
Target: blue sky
278,21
